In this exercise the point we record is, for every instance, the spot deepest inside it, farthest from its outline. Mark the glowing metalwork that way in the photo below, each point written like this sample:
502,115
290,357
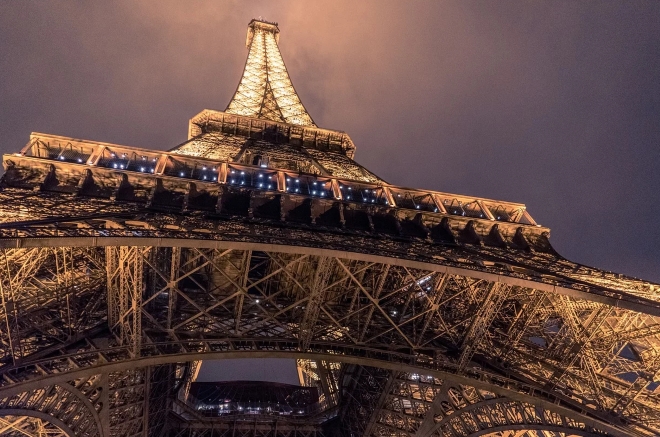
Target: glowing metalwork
265,90
410,312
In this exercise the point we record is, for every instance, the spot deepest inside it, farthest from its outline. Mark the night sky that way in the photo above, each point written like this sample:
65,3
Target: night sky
552,104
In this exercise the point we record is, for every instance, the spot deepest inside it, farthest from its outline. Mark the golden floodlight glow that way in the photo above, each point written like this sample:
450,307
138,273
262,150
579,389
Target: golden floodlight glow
265,90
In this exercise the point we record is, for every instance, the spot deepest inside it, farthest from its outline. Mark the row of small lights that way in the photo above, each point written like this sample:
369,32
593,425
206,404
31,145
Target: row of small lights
143,169
320,192
239,408
262,183
204,177
365,190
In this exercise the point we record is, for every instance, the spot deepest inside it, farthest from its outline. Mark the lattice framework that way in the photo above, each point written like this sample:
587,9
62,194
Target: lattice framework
414,313
265,90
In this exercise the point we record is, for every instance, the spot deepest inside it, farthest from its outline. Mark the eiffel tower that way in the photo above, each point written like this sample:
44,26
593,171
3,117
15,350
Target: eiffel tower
409,312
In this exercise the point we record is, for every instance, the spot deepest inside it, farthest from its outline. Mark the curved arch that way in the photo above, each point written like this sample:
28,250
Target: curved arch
467,411
64,391
568,431
372,362
95,415
39,415
612,298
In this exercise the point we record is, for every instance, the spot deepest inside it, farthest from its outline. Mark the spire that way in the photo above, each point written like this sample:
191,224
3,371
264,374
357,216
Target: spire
265,90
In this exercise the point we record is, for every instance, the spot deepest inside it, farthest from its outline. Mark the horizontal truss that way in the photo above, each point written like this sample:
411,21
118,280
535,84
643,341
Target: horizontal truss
192,303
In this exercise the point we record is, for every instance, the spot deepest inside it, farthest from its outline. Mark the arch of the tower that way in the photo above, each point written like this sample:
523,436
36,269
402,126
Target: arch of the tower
505,353
27,423
399,399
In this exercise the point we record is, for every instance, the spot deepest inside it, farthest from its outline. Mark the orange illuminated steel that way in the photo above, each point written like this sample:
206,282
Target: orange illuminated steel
102,169
413,313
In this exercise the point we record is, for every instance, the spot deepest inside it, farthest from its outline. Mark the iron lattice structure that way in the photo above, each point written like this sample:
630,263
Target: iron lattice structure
411,312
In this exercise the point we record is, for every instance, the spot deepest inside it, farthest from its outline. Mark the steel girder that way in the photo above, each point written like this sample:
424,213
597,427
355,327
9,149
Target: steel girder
197,302
414,405
31,426
414,313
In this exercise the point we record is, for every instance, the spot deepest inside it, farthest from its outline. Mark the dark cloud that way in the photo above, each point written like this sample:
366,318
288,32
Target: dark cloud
554,104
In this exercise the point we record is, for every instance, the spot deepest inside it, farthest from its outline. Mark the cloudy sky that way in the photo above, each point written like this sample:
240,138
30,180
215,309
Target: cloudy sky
552,104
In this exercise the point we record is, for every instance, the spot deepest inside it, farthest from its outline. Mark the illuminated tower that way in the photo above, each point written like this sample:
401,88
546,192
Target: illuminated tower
410,312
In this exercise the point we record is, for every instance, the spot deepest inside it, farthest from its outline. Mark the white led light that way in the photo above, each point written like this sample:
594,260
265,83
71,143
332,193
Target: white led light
181,174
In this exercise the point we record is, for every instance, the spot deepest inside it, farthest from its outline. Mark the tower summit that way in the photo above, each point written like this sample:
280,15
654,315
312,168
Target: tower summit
265,90
409,312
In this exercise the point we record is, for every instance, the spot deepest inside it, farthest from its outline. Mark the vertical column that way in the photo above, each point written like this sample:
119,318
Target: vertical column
173,284
125,270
